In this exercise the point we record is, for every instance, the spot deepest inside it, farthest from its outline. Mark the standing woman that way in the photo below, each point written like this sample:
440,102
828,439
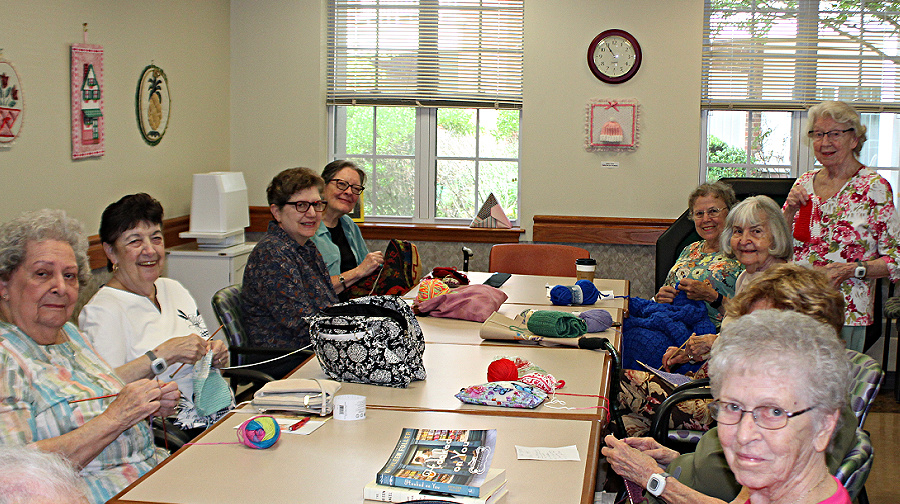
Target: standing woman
853,225
338,238
286,279
145,325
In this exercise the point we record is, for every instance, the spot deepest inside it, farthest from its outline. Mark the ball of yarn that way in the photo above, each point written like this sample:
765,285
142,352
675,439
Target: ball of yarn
259,432
543,381
431,288
597,320
502,370
584,292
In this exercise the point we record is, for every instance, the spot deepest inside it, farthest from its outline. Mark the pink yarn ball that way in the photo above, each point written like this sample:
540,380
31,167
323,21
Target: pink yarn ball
502,370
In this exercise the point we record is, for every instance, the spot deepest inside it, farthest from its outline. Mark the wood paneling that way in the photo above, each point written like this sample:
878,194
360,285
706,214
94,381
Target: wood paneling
610,230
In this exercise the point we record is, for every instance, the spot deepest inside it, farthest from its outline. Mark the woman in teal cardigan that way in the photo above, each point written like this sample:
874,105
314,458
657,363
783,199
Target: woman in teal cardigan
338,238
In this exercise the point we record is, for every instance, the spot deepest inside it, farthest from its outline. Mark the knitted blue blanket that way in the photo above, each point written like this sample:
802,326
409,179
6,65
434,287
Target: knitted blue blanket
653,327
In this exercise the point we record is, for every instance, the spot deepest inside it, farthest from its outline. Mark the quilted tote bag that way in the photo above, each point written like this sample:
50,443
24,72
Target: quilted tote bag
374,340
401,272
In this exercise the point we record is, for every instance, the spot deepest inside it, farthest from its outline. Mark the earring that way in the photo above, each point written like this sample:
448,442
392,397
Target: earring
5,296
115,267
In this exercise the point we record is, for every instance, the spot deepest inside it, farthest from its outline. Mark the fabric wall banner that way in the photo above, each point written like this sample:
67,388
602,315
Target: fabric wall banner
87,101
12,105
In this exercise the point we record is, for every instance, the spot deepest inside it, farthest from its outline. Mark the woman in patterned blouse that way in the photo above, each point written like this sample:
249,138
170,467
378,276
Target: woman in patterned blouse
844,217
46,363
286,278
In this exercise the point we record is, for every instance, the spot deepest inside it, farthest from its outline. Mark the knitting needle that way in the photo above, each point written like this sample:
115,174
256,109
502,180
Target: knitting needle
184,363
92,398
679,348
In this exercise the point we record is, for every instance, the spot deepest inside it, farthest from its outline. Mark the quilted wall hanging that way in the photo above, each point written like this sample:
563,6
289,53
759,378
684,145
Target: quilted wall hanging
152,104
612,125
12,104
87,101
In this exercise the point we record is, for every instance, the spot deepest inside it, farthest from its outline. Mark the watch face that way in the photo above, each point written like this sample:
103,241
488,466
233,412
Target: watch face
614,56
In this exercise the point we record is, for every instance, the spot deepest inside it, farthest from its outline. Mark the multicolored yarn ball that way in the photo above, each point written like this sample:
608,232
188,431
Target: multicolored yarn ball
430,288
259,432
502,370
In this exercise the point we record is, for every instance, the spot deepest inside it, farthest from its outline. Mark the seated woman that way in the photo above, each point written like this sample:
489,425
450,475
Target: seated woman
338,238
46,363
706,472
286,278
702,271
145,325
756,234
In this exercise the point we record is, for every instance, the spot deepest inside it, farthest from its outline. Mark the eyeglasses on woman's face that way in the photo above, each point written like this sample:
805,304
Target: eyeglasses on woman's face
342,185
712,212
303,206
836,134
767,417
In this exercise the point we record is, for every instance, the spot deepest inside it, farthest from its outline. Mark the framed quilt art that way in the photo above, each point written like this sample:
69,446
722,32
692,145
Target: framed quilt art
12,105
152,104
612,125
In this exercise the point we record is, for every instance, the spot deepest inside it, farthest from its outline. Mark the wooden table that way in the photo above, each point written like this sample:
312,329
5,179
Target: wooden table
334,463
464,332
452,367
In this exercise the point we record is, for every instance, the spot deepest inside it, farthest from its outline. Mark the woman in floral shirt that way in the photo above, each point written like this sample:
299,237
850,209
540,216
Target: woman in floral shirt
844,217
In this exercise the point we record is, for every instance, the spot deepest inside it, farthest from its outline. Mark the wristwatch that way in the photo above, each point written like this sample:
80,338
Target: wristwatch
657,483
718,302
860,271
341,278
157,364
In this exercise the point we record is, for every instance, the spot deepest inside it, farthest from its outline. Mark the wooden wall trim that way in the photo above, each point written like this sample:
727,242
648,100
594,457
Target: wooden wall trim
260,217
609,230
171,228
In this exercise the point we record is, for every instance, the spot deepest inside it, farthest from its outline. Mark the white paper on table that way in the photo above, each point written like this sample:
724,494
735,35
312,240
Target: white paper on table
309,428
543,453
608,294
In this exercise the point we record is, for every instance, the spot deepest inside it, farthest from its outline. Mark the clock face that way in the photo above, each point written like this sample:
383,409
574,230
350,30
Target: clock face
614,56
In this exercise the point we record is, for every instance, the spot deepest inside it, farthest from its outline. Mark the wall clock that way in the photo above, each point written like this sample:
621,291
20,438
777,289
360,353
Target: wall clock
614,56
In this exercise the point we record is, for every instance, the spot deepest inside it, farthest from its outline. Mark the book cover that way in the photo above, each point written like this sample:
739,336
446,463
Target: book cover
451,461
374,492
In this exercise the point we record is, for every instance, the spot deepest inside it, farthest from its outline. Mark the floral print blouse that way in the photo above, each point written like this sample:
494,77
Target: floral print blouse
859,223
720,270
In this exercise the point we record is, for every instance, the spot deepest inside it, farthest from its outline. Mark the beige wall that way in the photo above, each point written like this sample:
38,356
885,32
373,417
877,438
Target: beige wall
189,40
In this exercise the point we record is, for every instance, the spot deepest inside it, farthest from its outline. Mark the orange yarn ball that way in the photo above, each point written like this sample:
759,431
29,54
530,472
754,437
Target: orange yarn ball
502,370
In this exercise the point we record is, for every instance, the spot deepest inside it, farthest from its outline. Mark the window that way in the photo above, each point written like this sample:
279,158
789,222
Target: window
425,96
765,62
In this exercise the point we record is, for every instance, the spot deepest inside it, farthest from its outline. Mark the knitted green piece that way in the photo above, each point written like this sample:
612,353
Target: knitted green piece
892,308
211,392
556,324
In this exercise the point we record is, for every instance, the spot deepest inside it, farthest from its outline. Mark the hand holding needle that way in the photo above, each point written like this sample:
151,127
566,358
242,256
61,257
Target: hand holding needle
207,339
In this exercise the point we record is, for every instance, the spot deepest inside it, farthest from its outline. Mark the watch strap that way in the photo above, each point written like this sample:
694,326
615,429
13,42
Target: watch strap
151,355
718,302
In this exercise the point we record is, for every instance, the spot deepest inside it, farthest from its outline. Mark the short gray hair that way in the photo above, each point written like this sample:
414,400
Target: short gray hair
38,226
28,474
843,113
787,344
753,211
717,189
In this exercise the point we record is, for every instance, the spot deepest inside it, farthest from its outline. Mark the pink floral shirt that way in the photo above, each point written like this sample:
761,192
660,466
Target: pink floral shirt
859,223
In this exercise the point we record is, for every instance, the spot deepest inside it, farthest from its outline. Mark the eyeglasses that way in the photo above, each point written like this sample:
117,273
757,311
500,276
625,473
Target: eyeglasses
343,185
303,206
712,212
767,417
832,135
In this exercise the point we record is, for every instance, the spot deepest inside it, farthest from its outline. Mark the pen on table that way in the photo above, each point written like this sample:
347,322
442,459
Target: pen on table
299,424
183,363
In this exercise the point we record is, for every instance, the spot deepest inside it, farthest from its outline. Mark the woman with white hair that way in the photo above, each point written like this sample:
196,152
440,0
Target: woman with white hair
843,216
780,380
29,476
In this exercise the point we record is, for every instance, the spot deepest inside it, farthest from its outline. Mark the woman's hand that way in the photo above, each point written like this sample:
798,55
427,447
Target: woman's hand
838,272
370,263
629,462
221,356
698,290
699,346
187,349
673,357
666,294
650,447
141,399
797,198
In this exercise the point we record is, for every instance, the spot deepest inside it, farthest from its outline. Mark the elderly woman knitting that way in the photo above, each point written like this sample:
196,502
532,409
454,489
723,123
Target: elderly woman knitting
46,365
780,381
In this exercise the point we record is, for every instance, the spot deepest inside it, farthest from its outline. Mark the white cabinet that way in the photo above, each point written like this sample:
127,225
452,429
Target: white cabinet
203,272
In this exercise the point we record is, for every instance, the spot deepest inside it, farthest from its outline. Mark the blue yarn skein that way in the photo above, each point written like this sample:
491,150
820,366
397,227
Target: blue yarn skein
584,292
597,320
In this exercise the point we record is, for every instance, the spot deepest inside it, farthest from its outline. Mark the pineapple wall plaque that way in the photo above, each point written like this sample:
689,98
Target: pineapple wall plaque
152,104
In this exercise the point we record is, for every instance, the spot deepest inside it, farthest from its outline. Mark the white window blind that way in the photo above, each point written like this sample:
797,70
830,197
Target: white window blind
432,53
788,55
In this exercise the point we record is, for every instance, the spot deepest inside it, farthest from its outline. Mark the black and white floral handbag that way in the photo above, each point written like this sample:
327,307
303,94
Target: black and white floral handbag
373,339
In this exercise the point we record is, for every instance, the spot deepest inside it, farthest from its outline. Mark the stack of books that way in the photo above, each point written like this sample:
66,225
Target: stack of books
452,466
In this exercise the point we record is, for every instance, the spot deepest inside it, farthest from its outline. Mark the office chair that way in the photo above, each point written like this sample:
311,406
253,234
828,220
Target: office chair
682,233
535,259
855,468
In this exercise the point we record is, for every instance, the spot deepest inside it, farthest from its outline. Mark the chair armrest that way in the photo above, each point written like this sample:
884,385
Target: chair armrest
700,382
250,375
170,437
659,429
275,352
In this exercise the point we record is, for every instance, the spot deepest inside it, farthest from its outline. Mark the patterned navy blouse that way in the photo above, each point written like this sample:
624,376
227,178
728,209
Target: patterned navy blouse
283,282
